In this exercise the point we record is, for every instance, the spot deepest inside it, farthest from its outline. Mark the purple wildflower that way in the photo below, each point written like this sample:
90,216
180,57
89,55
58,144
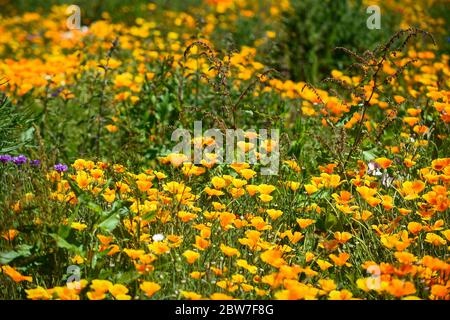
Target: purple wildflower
5,158
35,162
20,159
60,167
57,92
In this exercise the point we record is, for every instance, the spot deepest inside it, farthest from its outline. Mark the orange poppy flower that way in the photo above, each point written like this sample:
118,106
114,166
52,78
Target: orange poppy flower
340,295
368,195
191,256
323,265
251,189
176,159
220,296
342,237
341,259
10,234
229,251
304,223
265,197
405,257
266,189
274,214
191,295
411,189
150,288
311,188
399,99
218,182
15,275
343,197
273,257
414,227
399,288
440,164
384,162
247,173
201,243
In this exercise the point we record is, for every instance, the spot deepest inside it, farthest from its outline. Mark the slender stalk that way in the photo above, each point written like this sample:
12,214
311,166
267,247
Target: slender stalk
102,94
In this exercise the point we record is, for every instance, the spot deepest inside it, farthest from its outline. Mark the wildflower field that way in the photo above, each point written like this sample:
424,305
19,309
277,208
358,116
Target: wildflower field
339,189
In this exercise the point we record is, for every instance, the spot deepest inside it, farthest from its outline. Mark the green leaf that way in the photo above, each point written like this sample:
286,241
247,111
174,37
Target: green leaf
111,218
149,215
330,221
24,249
27,135
127,277
95,207
8,256
249,113
369,155
64,230
61,243
76,189
110,223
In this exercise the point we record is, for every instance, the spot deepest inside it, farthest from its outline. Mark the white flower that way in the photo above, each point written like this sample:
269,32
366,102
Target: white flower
158,237
386,180
374,168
